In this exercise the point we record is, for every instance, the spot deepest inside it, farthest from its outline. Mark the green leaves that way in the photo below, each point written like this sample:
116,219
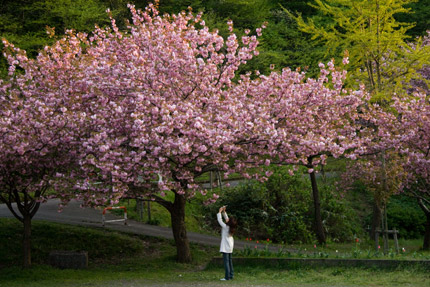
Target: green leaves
380,55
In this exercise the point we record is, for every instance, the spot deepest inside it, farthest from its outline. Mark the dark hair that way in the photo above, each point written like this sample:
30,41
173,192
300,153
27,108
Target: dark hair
232,223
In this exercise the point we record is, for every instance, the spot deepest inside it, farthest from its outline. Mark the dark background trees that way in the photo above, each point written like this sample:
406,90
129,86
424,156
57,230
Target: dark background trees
24,24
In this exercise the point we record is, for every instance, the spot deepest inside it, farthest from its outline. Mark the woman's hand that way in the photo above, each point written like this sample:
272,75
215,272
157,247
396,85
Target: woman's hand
221,209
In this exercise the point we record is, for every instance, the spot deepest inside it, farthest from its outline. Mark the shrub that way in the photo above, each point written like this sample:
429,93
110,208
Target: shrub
339,218
404,214
282,209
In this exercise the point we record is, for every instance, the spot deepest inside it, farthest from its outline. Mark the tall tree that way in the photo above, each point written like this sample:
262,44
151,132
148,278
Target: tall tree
382,172
412,137
310,119
159,101
37,135
376,42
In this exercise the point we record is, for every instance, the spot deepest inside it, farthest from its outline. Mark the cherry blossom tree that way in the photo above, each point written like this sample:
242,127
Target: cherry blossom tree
397,158
168,109
38,132
160,102
110,113
379,166
308,120
421,84
382,172
413,141
415,115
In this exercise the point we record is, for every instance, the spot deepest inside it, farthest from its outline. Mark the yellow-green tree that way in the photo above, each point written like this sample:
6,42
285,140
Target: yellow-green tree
381,54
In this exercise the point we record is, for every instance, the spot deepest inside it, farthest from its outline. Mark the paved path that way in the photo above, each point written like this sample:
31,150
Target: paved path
74,214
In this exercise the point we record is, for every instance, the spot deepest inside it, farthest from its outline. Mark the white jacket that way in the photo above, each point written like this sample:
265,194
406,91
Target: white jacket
227,241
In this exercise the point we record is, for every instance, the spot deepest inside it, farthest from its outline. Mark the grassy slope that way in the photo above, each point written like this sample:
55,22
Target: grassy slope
124,260
103,246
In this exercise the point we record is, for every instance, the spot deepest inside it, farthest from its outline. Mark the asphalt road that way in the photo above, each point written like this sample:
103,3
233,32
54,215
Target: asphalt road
74,214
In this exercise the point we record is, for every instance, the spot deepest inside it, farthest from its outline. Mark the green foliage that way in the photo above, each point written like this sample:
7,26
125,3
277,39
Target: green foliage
276,209
244,13
171,6
289,208
361,201
284,45
339,218
404,214
301,6
420,15
24,23
247,203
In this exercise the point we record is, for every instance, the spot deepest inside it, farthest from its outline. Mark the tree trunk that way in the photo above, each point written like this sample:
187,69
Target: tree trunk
426,209
27,240
376,219
385,228
319,229
177,215
26,208
177,218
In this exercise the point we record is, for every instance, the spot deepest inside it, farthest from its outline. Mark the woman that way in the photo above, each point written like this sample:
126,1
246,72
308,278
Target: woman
227,241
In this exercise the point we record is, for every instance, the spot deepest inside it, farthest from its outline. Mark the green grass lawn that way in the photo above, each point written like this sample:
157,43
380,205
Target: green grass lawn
118,259
172,275
364,249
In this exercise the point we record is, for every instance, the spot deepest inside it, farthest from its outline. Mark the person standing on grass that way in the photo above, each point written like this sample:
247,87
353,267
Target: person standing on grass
227,241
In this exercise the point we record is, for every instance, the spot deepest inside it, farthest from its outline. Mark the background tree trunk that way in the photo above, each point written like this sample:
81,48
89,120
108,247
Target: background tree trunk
376,219
426,209
319,228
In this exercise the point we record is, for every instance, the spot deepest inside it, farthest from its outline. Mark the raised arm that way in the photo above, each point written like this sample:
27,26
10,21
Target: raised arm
223,225
224,214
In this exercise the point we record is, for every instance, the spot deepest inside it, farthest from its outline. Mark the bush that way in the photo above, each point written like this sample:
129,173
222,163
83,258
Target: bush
282,209
247,203
404,214
340,220
290,207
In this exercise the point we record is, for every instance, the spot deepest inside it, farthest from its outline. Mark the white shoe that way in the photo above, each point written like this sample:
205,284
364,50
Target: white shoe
223,279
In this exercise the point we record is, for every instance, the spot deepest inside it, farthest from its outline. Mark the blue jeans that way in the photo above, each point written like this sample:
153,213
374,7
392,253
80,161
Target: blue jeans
228,265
